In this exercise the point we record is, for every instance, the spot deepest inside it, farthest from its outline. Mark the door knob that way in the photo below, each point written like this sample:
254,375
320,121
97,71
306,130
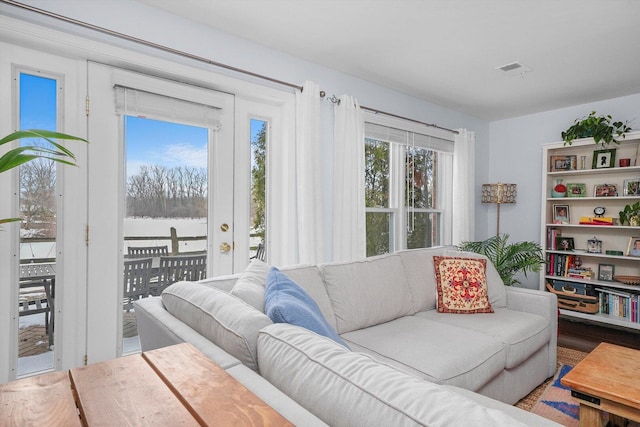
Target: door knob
225,247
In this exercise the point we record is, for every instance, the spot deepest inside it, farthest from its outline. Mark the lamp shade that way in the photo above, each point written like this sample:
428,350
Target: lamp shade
499,193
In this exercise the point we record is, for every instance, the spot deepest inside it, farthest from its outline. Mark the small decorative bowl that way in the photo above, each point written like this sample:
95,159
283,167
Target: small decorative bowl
555,194
628,280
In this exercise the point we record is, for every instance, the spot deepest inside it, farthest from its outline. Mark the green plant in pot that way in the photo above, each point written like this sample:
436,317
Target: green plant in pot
630,215
25,153
509,259
602,129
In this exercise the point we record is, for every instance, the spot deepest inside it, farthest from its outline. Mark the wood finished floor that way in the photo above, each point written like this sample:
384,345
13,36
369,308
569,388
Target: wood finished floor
586,336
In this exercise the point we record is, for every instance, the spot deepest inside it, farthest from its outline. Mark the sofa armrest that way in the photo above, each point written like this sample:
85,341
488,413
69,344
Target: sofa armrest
158,328
533,301
543,304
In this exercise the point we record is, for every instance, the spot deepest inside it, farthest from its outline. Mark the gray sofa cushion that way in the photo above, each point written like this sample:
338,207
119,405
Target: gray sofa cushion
434,351
522,334
351,389
222,318
367,293
310,279
418,265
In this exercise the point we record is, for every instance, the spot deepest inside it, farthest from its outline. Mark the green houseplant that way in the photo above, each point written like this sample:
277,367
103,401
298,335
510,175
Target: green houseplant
25,153
630,215
602,129
509,259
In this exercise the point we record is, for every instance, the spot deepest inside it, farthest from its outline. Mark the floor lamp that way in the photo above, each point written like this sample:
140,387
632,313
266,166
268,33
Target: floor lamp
499,193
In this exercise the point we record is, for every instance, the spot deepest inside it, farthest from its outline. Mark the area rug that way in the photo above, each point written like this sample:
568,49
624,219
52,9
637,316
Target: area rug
550,399
556,402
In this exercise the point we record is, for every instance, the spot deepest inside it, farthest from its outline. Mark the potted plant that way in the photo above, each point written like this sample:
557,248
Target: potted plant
509,259
630,215
25,153
602,129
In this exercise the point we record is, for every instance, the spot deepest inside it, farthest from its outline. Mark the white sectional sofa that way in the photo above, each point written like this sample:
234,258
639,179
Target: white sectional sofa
408,364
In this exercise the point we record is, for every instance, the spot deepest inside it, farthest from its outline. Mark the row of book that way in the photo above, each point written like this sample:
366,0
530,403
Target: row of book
562,265
625,305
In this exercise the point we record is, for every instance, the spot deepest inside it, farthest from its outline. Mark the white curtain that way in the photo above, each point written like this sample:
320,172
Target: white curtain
348,181
308,174
463,185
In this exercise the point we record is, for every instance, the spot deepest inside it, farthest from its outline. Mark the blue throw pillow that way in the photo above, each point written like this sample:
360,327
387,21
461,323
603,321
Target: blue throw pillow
286,302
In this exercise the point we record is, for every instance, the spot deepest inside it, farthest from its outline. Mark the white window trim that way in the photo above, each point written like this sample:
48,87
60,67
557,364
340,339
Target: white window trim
396,193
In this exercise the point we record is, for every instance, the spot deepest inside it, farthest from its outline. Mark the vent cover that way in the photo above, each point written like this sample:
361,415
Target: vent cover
515,68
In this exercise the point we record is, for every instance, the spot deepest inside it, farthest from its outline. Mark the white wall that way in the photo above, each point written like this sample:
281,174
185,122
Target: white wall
515,155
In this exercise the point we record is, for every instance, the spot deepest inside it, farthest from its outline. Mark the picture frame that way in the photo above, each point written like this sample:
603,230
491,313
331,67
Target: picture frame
634,246
631,187
561,214
605,190
604,158
576,190
563,163
606,272
564,243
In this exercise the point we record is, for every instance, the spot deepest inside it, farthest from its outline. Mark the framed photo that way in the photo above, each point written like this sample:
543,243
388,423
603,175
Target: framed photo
605,190
606,272
565,243
631,187
604,158
634,246
576,190
563,163
561,214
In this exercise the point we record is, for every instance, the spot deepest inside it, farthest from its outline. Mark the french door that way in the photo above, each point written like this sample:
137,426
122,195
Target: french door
161,175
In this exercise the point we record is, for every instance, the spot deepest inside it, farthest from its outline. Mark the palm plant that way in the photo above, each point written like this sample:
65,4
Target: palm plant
509,259
25,153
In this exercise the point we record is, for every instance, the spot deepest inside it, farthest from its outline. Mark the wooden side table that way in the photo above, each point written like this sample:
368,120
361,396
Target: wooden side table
170,386
608,380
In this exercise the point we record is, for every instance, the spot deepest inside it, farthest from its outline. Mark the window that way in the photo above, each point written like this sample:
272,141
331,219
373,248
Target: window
408,178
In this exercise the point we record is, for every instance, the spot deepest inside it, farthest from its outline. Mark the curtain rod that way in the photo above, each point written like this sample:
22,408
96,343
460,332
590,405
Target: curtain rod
194,57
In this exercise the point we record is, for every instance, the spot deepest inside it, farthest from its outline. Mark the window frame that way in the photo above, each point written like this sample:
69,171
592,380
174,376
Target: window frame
399,211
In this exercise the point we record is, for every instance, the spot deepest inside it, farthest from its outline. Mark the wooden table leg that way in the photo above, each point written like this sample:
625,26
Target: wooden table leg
590,416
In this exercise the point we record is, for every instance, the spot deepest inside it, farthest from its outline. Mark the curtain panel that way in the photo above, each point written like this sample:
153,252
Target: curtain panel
463,184
349,240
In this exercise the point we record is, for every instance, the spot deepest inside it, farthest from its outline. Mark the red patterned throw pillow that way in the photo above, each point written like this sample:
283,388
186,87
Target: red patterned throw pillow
462,285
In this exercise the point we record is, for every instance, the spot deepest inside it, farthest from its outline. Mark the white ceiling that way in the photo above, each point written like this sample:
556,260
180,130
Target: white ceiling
447,51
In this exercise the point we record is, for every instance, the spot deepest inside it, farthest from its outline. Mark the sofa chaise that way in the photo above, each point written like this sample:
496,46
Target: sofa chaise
399,360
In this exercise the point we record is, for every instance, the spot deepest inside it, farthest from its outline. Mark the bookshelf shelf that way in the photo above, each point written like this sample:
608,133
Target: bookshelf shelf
591,272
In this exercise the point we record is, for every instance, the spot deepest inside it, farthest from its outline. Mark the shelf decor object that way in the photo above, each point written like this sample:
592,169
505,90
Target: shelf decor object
499,193
628,280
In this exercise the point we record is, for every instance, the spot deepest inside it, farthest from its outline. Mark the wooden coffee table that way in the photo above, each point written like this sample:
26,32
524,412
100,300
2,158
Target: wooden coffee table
170,386
608,380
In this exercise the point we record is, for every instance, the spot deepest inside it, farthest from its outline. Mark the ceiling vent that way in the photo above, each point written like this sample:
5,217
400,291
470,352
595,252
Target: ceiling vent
515,69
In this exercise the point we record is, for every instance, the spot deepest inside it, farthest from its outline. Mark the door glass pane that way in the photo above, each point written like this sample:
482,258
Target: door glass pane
257,226
37,232
166,211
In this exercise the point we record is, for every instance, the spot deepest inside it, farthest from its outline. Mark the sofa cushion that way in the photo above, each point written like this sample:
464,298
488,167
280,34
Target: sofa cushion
225,320
369,292
286,302
351,389
434,351
461,284
418,265
250,285
309,278
522,334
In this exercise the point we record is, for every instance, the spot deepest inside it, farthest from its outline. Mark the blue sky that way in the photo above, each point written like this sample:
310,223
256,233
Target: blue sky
150,142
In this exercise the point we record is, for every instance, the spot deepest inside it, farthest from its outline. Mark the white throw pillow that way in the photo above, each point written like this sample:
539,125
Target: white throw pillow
250,285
